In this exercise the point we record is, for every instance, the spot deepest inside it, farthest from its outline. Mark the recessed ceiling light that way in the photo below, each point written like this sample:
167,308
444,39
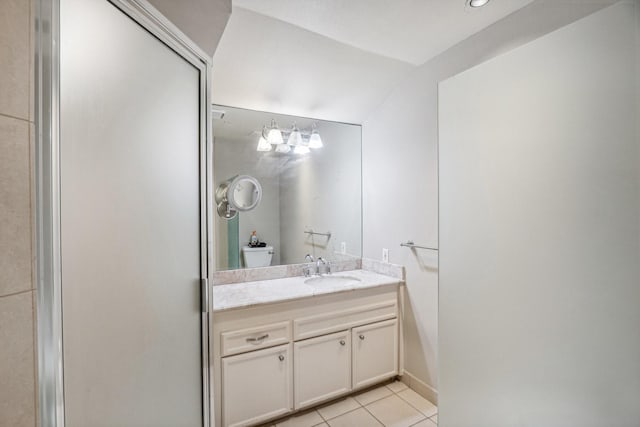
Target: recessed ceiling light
477,3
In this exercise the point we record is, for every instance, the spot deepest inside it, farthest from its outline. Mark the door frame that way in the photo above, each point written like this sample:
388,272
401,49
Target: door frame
47,193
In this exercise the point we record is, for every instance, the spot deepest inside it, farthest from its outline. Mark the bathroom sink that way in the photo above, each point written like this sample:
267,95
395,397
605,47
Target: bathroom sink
331,280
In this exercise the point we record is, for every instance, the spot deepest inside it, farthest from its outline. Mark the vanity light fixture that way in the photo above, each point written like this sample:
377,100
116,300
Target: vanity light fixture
314,140
295,137
297,141
283,148
275,136
301,149
263,145
477,3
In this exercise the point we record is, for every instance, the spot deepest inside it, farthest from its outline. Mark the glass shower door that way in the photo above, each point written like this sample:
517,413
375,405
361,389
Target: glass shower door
131,228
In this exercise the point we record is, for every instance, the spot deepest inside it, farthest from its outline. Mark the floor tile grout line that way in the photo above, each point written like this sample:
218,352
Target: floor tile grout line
326,420
321,416
412,425
367,409
17,293
15,117
409,403
380,398
424,417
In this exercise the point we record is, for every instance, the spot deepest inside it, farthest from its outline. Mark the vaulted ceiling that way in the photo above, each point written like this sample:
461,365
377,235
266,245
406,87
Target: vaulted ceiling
335,59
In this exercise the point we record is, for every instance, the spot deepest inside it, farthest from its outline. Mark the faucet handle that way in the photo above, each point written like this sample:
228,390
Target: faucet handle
306,271
323,266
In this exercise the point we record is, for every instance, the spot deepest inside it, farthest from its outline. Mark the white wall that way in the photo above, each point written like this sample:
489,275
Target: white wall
239,157
203,21
270,65
400,169
540,232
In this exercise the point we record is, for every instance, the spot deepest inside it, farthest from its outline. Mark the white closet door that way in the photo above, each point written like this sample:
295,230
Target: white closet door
130,225
540,231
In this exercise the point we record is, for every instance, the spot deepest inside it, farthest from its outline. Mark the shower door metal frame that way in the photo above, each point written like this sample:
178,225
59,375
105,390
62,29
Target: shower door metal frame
47,182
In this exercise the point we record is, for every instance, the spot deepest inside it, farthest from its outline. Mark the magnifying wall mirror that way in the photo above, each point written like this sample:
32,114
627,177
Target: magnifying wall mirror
241,193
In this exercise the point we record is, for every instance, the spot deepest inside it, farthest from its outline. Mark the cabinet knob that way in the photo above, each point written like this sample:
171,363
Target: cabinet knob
342,342
361,337
281,357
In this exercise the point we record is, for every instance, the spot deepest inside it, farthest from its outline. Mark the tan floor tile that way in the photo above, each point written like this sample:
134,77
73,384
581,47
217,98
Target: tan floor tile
14,58
373,395
397,386
358,418
17,370
305,419
419,402
15,207
338,408
394,412
434,418
425,423
322,425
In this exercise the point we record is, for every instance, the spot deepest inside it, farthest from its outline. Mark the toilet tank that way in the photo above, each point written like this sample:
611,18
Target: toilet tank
257,257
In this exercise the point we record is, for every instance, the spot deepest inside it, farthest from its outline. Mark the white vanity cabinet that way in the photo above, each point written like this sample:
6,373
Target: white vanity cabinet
375,352
257,386
322,368
276,358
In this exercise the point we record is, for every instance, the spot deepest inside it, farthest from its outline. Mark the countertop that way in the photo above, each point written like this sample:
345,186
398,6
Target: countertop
247,294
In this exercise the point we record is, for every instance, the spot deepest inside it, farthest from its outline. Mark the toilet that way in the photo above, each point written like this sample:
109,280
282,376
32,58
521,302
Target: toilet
257,257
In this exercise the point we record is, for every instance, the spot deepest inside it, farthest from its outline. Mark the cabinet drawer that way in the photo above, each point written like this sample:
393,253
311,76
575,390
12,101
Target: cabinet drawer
334,321
243,340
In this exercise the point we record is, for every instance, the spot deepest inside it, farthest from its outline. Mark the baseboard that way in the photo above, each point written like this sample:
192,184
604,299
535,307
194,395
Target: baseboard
423,389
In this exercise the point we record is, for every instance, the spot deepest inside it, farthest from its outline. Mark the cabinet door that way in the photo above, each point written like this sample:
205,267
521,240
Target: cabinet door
375,352
322,368
256,386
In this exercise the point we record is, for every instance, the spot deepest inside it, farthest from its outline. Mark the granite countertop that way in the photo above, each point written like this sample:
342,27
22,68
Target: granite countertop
246,294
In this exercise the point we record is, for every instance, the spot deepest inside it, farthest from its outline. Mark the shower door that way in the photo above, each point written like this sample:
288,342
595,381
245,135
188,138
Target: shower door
132,221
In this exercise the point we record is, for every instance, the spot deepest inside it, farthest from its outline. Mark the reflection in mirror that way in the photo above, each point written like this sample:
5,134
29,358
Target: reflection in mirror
244,193
304,191
240,193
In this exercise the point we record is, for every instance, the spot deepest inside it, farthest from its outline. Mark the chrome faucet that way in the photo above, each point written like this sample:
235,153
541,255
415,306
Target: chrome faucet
322,262
307,270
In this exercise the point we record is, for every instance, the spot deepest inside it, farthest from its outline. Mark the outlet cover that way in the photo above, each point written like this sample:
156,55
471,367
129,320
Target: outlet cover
343,247
385,255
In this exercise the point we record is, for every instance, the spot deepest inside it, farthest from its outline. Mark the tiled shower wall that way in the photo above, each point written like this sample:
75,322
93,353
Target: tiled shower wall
17,244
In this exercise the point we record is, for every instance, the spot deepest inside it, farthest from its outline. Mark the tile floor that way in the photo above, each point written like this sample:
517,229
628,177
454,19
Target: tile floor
391,405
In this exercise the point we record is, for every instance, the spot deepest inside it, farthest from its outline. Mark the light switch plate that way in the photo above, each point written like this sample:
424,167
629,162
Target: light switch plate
385,255
343,247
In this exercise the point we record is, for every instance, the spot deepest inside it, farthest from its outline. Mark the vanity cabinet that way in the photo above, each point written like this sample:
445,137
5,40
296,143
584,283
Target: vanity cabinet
257,386
375,352
273,359
322,368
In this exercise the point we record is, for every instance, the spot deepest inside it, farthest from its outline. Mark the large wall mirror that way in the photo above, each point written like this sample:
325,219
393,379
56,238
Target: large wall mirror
308,174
